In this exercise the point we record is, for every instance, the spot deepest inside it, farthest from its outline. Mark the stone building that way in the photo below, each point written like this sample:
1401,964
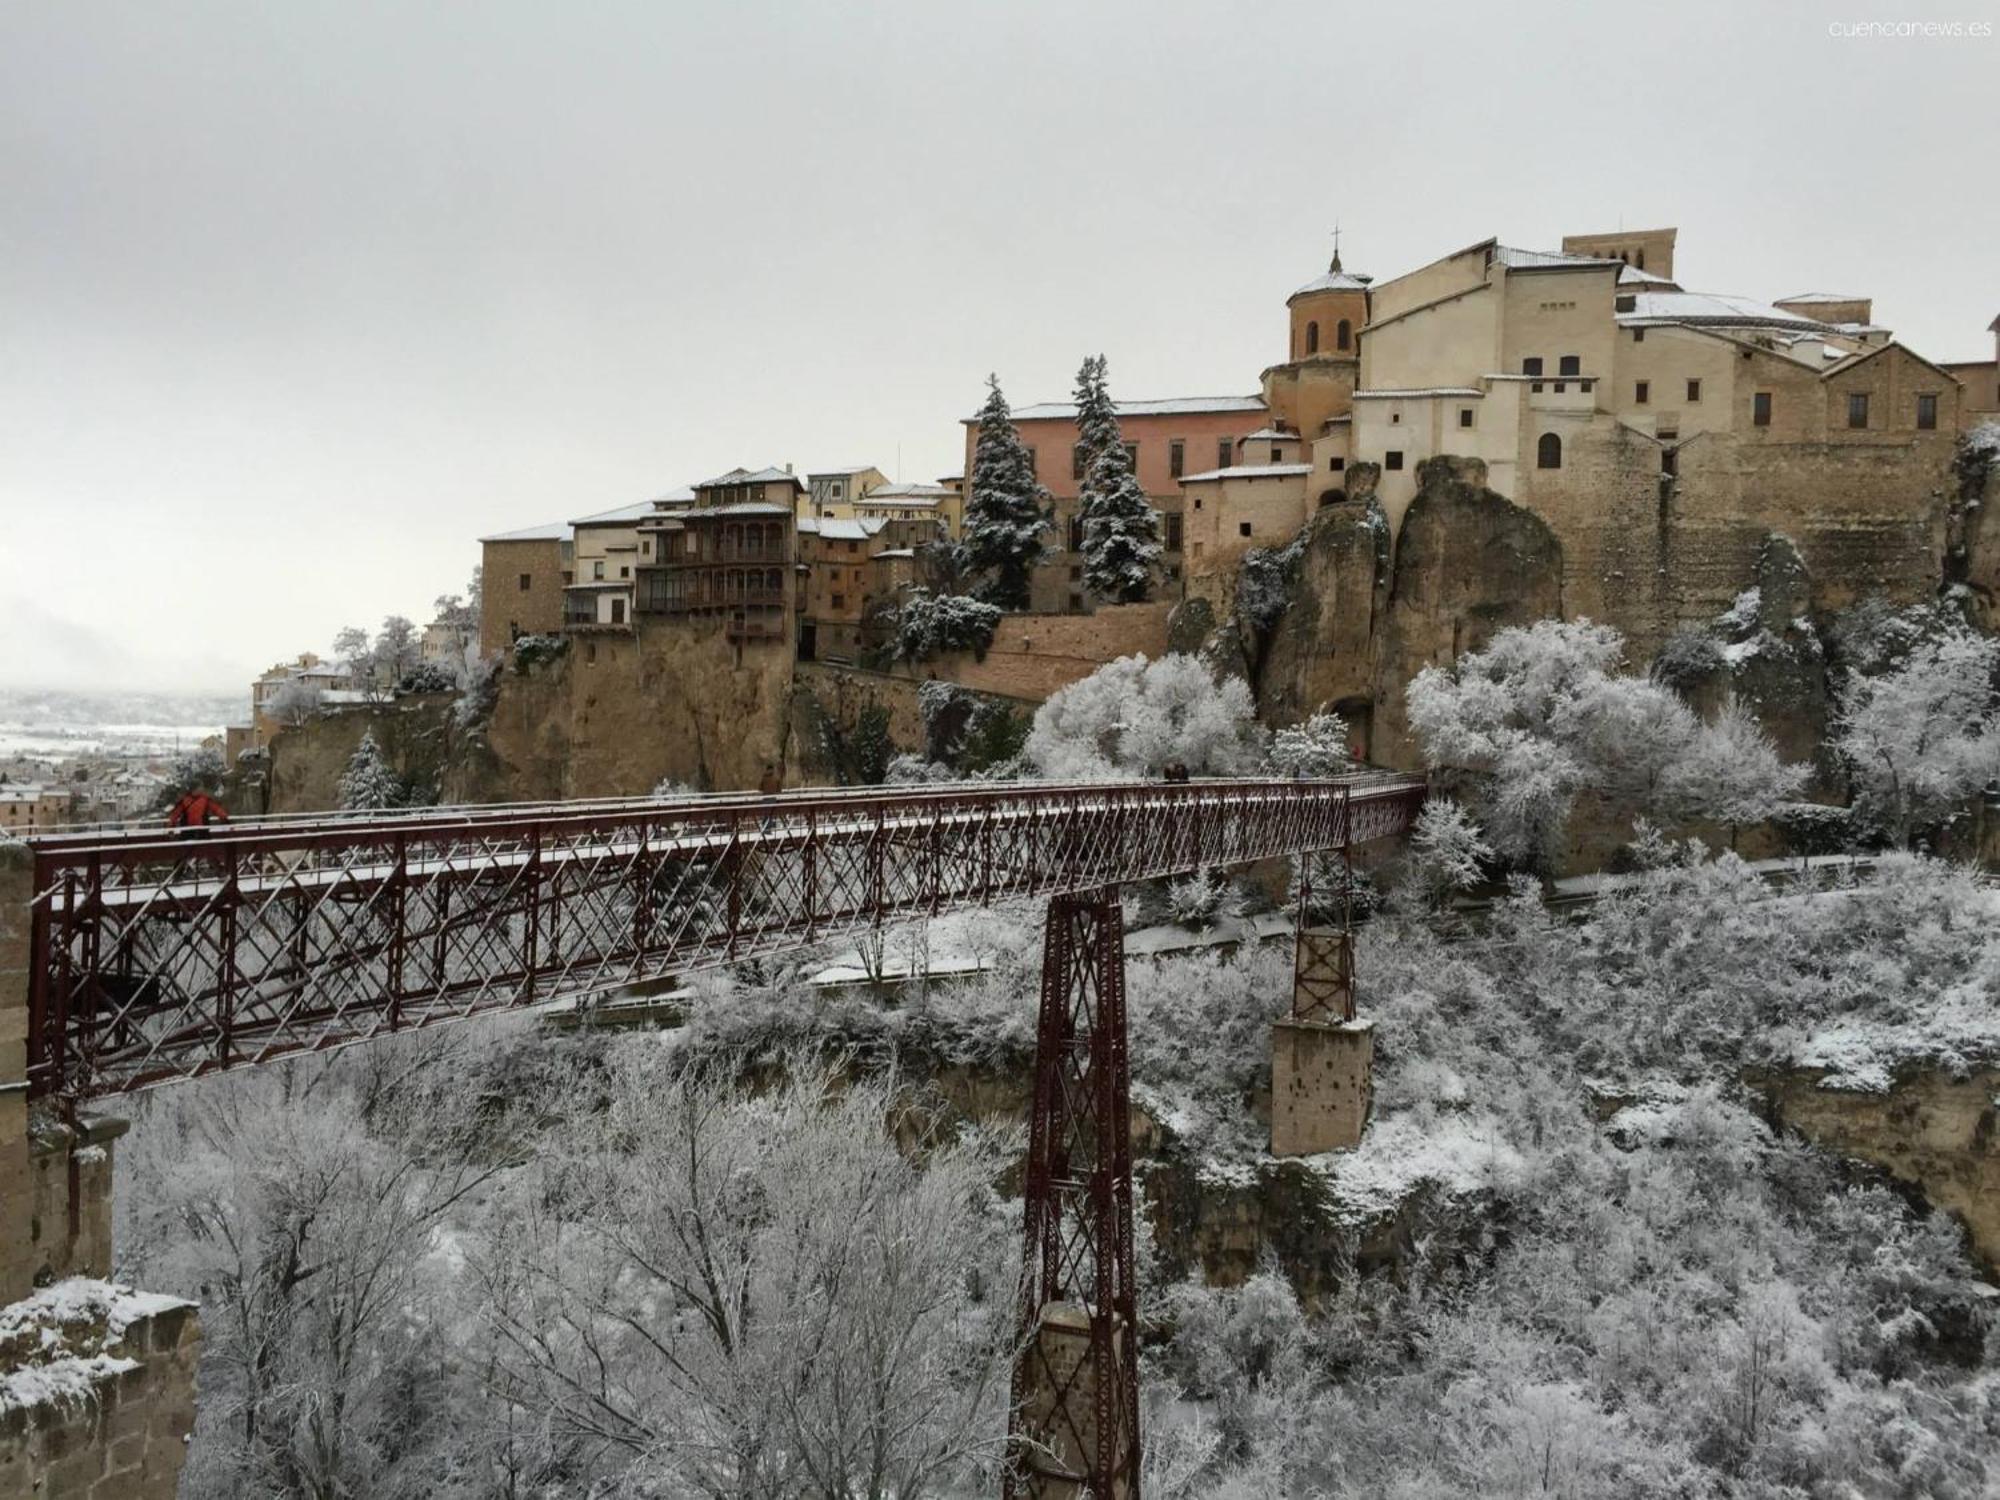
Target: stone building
1661,433
847,570
1981,379
831,493
730,561
1167,439
524,575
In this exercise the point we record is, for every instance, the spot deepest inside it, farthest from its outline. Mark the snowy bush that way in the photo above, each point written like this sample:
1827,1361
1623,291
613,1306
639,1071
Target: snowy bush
1201,900
292,702
928,624
427,677
200,770
1316,748
1132,717
1446,854
1689,657
531,651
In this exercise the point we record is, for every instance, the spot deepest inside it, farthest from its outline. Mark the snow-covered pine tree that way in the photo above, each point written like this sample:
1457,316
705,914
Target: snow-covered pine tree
368,785
1007,511
1121,531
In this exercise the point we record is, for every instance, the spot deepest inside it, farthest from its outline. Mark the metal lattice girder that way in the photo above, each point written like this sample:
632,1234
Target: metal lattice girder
159,957
1076,1386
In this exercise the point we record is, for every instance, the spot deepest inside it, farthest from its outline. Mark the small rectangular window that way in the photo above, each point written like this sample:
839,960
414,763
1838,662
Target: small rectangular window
1033,467
1076,604
1222,450
1076,575
1857,409
1076,462
1570,364
840,601
1926,413
1277,454
1760,409
1393,459
1531,366
1243,528
1694,391
1132,456
527,582
1465,416
1177,457
1336,464
1638,335
1173,529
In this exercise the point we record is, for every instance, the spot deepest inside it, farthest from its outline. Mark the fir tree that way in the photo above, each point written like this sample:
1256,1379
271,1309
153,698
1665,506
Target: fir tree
1121,530
368,785
1007,511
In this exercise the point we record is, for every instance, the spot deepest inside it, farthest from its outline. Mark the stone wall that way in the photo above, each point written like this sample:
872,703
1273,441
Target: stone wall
97,1388
17,1193
1034,655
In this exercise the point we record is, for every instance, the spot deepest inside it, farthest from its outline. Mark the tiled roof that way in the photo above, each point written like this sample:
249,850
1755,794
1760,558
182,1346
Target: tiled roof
1516,259
623,515
906,492
744,476
1173,406
1713,307
1249,471
553,531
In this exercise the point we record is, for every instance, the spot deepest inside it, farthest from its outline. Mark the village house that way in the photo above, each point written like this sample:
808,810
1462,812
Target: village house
847,571
830,494
731,559
32,807
524,575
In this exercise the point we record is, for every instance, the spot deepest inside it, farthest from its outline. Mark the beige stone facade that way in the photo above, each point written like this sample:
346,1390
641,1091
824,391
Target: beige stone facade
830,494
524,574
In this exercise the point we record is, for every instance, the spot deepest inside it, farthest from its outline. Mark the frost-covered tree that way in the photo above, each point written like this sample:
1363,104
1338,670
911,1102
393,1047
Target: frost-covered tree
1132,717
1730,773
355,655
1922,736
200,770
1541,714
1446,854
368,784
716,1295
396,650
1006,507
292,702
1121,530
1316,748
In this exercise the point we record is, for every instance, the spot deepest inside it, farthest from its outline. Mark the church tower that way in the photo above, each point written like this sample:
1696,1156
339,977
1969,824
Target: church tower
1312,392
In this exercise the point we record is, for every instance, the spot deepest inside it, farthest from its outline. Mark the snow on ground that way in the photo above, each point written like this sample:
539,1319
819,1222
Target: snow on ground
1455,1153
1958,1033
51,1334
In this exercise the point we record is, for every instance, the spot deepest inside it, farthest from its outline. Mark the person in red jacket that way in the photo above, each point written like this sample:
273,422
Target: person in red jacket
197,809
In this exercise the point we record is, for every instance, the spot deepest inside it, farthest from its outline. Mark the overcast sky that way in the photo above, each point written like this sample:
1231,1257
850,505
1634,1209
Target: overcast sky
297,299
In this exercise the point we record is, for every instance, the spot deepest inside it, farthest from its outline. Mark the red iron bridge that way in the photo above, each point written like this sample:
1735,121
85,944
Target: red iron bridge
158,957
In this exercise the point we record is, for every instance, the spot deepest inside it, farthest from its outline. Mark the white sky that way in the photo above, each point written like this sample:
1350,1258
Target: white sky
298,299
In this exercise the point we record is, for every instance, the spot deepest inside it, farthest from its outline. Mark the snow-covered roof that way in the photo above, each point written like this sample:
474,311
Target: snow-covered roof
1269,434
1823,297
1334,281
744,476
897,552
20,792
1516,259
1432,390
600,584
1248,471
741,508
553,531
1173,406
623,515
1633,276
829,529
682,496
907,492
835,470
1713,308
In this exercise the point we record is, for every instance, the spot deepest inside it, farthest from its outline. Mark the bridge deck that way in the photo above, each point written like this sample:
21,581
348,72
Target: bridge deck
159,957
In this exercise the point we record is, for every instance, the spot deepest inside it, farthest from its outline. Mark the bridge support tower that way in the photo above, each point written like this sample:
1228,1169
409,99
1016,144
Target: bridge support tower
1076,1388
1322,1057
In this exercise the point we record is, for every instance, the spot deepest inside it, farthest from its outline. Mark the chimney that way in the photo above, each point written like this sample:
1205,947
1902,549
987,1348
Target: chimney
788,468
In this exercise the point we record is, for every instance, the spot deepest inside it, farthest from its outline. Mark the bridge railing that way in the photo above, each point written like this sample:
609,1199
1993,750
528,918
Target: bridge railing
158,957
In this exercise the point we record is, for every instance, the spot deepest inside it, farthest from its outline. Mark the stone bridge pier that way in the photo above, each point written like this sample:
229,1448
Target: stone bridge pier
96,1380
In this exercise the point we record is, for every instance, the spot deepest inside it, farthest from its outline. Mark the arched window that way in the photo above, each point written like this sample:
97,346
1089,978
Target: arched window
1343,334
1549,452
1312,338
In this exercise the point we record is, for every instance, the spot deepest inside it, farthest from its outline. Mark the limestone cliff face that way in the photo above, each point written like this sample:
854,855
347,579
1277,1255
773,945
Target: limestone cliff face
1972,533
1778,665
416,735
612,716
1321,651
616,714
1938,1134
